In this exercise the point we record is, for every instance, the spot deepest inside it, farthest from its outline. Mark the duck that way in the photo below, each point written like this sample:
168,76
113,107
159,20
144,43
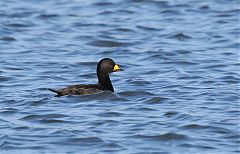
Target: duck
104,68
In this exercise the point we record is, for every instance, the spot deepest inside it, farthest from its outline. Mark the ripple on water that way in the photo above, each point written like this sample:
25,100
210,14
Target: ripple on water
46,119
196,146
170,113
9,111
37,102
4,78
23,13
148,28
79,141
108,43
8,38
18,146
180,37
156,100
183,117
48,16
13,68
142,108
162,137
124,30
135,93
195,126
230,79
138,82
22,128
35,117
170,12
107,4
119,99
110,114
87,63
214,129
204,7
18,25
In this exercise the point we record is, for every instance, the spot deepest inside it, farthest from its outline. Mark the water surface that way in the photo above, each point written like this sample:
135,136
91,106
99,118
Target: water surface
179,92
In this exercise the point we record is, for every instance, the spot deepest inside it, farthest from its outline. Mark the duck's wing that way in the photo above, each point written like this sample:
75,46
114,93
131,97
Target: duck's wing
78,90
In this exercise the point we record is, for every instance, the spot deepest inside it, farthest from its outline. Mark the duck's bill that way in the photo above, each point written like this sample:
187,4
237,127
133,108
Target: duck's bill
117,68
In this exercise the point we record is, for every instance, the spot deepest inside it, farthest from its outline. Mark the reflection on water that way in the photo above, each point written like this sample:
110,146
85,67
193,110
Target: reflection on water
179,92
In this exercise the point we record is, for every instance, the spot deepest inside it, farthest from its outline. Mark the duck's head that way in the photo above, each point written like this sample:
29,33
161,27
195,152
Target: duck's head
104,68
107,66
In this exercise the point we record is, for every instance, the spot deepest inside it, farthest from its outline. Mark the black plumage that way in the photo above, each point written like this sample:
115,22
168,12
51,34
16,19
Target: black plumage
104,68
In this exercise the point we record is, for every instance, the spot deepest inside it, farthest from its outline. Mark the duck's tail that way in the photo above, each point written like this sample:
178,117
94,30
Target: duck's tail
55,91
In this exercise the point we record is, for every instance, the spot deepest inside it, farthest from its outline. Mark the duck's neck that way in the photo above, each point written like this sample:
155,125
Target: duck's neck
106,83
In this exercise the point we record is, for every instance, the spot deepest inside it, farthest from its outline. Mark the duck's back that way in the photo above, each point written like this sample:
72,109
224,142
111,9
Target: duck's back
79,90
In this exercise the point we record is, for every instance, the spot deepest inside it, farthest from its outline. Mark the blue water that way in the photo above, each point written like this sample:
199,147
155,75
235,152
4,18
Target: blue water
179,92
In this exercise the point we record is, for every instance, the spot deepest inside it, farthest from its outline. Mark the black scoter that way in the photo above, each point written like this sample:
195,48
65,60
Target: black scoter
104,68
